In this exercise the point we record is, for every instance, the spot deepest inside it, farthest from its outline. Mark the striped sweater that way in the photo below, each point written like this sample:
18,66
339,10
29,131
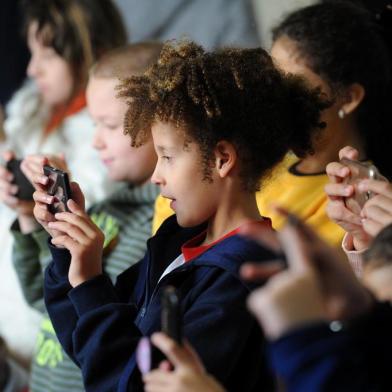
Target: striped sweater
125,218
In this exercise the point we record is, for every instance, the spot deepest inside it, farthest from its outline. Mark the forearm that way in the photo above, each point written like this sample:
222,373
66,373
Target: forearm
105,329
27,259
27,224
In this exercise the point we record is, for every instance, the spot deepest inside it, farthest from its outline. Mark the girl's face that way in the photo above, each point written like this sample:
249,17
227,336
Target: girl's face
50,71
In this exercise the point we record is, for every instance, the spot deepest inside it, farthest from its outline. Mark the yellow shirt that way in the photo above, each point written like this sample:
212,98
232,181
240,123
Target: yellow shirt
301,194
162,211
304,196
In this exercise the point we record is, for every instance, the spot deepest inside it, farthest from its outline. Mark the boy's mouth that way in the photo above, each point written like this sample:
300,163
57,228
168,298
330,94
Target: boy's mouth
172,202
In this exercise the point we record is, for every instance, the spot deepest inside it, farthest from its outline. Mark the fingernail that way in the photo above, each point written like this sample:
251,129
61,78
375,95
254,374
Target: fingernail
49,199
347,190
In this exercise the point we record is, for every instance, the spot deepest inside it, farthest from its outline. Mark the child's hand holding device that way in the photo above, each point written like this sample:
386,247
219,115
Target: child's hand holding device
15,189
79,234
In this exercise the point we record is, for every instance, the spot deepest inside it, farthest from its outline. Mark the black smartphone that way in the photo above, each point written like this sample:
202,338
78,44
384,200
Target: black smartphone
59,187
171,323
148,357
25,188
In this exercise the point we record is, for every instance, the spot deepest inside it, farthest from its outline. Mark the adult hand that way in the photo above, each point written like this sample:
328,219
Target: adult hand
377,212
337,192
315,273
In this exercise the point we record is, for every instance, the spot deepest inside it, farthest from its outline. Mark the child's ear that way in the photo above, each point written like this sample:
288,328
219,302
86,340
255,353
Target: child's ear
225,158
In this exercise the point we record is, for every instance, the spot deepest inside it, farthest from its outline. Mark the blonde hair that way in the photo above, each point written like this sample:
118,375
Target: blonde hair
126,61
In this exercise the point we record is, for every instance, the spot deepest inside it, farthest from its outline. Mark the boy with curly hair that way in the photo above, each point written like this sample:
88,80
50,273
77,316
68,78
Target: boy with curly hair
220,121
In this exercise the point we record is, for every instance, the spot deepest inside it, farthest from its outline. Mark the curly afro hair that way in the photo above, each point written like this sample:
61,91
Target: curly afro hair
231,94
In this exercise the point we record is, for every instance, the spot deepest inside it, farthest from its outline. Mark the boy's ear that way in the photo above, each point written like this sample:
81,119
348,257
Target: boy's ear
225,158
354,95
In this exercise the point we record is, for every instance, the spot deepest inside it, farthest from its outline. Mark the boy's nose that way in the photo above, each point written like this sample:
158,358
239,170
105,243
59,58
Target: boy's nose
97,141
156,178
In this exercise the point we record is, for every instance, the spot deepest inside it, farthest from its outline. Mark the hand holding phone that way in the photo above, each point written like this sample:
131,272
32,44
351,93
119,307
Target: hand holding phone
25,188
358,171
148,357
59,187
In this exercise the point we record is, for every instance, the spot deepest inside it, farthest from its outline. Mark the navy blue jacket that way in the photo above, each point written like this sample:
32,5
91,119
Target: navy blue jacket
356,357
99,324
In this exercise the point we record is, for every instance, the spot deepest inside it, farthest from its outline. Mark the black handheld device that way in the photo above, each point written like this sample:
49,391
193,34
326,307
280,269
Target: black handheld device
171,314
59,187
148,357
25,188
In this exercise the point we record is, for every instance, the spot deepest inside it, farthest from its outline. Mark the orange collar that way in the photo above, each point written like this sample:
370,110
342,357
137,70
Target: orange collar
61,113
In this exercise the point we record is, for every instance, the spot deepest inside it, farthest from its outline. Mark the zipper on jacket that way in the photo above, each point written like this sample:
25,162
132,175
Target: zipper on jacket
180,270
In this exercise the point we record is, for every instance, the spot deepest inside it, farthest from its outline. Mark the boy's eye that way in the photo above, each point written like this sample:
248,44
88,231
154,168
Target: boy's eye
166,158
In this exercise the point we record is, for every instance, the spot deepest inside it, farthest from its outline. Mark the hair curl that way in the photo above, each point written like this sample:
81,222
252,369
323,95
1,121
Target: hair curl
231,94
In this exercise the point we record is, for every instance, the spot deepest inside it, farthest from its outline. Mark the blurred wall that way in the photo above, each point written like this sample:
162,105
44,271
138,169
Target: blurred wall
269,12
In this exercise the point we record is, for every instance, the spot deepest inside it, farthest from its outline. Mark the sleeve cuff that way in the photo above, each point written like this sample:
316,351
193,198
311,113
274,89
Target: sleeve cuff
92,294
61,260
291,351
25,241
354,256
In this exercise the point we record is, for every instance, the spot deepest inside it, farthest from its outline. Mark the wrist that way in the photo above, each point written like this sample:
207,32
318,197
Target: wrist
27,224
360,243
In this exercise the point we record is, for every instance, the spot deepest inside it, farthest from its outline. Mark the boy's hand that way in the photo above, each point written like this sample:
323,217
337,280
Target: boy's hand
336,192
81,237
33,168
188,374
377,212
8,190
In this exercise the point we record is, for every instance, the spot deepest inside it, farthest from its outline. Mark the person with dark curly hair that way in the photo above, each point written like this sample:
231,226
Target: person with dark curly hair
341,48
220,121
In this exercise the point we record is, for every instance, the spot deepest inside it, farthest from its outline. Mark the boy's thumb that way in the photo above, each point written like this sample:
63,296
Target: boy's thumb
77,195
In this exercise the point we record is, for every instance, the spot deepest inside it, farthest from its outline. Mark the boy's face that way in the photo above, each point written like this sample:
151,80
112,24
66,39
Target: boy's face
50,71
179,174
378,279
124,163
